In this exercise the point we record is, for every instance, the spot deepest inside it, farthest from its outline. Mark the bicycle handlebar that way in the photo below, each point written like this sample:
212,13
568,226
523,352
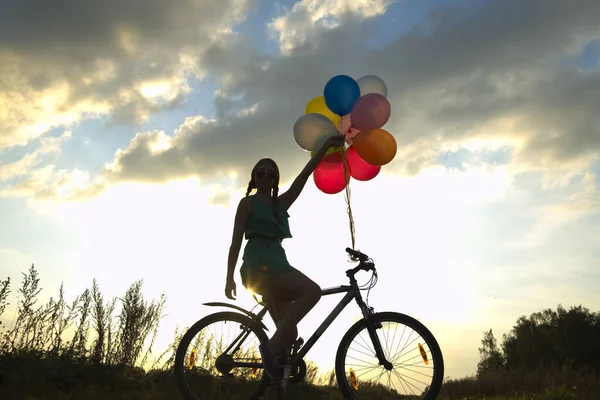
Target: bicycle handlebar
365,263
357,254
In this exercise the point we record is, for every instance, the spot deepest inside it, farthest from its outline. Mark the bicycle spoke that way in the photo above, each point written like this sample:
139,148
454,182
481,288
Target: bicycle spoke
362,352
367,345
404,379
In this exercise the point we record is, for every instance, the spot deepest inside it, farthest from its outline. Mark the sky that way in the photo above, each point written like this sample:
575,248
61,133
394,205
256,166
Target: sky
128,131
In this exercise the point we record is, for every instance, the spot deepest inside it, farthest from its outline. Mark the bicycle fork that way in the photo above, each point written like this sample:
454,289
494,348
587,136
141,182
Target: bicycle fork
372,327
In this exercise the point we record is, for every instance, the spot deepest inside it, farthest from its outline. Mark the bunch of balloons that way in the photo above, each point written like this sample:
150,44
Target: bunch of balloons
357,109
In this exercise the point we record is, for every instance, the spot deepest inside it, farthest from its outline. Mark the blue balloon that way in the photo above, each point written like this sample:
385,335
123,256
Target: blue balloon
341,92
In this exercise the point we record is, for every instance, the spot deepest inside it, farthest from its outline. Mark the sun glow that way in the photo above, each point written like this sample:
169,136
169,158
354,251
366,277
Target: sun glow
154,90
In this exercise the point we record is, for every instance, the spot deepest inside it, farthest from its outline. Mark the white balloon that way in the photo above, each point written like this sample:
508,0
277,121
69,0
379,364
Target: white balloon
371,84
312,130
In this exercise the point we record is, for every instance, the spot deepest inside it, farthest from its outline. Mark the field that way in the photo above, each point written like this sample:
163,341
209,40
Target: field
33,376
85,350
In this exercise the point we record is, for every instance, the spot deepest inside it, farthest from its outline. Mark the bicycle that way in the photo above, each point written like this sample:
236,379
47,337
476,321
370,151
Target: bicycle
243,375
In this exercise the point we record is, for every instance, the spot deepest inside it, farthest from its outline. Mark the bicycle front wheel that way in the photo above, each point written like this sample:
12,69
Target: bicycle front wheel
416,358
219,353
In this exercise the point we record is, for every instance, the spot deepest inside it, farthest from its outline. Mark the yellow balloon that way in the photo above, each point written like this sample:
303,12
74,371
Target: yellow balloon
317,105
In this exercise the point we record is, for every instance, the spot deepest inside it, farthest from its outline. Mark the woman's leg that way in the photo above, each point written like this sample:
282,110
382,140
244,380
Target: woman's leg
278,308
306,295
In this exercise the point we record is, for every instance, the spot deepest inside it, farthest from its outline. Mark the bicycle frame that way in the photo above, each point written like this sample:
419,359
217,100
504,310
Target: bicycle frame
352,292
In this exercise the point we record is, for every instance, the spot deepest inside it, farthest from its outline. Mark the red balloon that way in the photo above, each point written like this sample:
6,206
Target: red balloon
329,174
359,168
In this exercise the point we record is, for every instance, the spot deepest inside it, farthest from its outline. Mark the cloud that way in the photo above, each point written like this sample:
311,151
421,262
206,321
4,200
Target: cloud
65,62
476,79
579,198
45,182
219,196
302,25
23,166
48,183
488,78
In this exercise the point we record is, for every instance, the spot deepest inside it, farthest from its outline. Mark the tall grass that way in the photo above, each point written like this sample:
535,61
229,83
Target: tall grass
92,345
95,348
117,340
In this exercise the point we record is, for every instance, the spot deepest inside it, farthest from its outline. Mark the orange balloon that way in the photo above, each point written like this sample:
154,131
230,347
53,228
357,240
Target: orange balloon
377,146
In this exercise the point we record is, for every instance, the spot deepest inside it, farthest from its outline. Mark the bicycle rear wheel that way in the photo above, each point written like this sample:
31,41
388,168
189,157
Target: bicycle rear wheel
418,365
220,353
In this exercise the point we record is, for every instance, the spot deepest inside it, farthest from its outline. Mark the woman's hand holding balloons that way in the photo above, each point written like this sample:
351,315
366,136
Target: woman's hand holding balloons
336,140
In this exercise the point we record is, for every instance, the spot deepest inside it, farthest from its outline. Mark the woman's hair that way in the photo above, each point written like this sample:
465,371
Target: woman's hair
252,184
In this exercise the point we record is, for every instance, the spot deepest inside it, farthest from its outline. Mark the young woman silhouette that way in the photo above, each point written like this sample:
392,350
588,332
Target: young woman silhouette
263,218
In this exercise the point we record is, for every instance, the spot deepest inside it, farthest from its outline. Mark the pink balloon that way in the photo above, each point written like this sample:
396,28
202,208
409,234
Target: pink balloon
359,168
347,129
370,111
329,174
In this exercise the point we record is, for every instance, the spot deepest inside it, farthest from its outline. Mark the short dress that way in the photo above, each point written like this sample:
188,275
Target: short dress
264,257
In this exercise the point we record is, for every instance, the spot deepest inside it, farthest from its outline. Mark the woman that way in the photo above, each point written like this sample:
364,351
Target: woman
263,218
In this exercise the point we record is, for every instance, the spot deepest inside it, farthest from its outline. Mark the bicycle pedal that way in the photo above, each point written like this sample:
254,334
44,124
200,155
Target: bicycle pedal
286,371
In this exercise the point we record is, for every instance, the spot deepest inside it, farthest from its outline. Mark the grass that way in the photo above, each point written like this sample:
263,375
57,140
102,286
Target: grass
549,383
96,349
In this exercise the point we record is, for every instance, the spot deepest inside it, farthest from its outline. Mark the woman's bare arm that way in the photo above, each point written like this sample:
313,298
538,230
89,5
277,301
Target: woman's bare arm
289,197
241,216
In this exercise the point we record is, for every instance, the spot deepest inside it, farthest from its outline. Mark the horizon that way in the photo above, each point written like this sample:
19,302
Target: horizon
128,138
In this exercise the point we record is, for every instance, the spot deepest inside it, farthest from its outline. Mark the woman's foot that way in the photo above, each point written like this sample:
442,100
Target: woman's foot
270,362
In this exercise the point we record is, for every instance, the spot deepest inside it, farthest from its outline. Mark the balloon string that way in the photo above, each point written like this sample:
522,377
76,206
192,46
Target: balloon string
349,207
